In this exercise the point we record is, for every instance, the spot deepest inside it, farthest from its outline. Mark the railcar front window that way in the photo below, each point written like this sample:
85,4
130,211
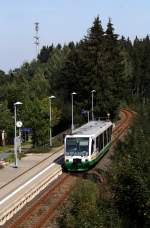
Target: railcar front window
77,146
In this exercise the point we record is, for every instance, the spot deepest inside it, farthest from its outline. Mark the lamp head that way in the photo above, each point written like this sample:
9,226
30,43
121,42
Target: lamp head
108,115
52,97
73,93
18,103
93,91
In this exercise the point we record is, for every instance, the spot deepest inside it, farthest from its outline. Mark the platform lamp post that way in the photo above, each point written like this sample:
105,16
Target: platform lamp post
72,125
15,139
88,116
108,116
50,120
93,91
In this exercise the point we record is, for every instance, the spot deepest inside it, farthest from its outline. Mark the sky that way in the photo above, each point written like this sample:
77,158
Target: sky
62,21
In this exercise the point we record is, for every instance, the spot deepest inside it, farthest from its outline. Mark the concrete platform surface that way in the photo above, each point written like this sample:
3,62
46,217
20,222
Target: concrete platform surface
12,178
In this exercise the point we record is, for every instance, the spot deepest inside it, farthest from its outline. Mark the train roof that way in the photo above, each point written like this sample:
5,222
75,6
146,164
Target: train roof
92,128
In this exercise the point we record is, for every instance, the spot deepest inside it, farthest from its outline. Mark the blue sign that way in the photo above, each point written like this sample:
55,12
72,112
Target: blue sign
26,129
84,112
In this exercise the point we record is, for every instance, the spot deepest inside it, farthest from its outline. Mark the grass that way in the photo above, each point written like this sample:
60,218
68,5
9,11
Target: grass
40,149
8,147
4,148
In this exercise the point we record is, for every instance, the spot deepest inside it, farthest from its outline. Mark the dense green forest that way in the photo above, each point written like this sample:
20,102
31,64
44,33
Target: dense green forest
124,200
119,70
115,67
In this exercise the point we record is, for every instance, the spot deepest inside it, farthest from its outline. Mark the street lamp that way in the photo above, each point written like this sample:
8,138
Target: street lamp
108,116
72,125
88,116
93,91
15,139
50,120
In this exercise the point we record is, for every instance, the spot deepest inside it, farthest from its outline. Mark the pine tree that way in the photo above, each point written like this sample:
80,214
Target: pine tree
92,53
45,53
114,68
104,67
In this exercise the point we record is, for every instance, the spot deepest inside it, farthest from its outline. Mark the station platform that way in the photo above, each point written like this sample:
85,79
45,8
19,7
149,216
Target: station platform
11,178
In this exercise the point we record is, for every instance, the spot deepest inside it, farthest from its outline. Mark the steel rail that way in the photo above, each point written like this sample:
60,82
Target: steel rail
26,171
43,199
119,130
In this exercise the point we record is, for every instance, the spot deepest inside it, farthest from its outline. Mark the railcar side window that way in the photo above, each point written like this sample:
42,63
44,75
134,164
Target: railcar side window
92,147
109,133
105,138
101,141
97,141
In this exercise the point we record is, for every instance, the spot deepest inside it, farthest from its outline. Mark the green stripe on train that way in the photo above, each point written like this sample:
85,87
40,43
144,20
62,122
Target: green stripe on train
83,166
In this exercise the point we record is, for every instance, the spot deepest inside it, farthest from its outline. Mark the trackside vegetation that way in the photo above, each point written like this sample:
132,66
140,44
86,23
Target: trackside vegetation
115,67
125,201
119,70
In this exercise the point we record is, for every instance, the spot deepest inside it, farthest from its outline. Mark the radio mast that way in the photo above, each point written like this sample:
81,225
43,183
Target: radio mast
36,37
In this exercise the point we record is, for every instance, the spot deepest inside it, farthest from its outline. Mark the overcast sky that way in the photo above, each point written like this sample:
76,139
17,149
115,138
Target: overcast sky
61,21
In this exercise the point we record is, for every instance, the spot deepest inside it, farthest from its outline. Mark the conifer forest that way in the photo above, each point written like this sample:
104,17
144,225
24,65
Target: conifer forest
118,69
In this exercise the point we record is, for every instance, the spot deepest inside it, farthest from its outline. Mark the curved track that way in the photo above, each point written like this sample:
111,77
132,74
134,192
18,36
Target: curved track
44,207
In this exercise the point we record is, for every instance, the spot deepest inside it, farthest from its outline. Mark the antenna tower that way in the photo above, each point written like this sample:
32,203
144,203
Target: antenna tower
36,37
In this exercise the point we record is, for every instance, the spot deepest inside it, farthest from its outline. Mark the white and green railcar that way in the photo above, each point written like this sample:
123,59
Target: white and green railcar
87,145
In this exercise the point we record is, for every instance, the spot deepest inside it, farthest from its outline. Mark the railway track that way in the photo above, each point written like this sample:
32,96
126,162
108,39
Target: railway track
42,210
9,182
123,125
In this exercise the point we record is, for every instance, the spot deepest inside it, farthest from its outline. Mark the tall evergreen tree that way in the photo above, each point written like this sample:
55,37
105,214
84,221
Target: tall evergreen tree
104,67
113,70
45,54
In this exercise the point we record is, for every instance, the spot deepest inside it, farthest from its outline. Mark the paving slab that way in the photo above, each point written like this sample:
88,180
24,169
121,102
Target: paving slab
11,178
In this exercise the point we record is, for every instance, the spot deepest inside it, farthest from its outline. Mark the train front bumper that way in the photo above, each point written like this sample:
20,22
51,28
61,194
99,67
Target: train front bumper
77,165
